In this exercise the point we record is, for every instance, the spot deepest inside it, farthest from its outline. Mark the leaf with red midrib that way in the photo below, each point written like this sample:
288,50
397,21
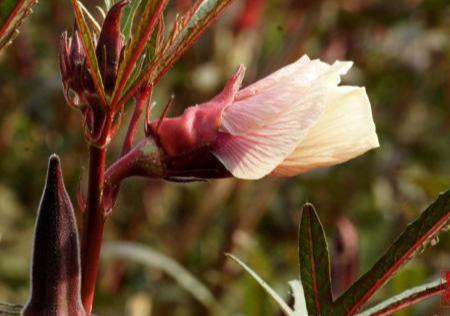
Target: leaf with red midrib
89,47
153,12
314,263
186,30
12,13
428,225
406,298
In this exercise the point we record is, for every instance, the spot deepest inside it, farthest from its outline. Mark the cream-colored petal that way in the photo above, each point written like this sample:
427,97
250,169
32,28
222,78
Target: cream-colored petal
344,131
282,97
301,73
254,154
260,131
275,77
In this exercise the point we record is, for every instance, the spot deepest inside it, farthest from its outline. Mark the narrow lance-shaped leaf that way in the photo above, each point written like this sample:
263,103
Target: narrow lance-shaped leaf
55,273
314,263
187,29
128,17
432,220
12,13
405,299
284,307
152,49
89,47
153,11
193,24
91,19
110,45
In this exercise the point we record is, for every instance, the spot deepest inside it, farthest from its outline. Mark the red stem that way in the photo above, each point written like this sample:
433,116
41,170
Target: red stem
141,100
93,226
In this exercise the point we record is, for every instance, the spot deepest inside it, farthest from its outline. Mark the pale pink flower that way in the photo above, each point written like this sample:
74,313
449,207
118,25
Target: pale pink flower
287,123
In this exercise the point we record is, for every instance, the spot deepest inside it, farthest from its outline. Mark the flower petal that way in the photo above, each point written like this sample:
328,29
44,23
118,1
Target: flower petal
345,131
260,131
275,98
303,71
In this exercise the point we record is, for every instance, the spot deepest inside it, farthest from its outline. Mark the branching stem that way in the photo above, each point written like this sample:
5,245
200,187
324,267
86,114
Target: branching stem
142,98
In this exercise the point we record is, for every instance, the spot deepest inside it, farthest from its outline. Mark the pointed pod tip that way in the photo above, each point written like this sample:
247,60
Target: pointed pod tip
54,157
54,163
54,173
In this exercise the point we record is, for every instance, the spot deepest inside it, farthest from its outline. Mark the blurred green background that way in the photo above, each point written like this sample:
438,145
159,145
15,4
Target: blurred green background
401,51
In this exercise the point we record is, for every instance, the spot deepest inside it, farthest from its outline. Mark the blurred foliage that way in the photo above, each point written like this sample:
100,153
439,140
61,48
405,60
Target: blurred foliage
401,51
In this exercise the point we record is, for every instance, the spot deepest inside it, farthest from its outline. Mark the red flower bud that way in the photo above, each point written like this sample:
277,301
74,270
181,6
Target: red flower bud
78,85
72,61
110,45
294,120
55,273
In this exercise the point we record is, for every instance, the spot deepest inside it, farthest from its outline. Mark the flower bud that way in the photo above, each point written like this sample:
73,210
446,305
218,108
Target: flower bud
72,61
294,120
110,45
79,88
55,272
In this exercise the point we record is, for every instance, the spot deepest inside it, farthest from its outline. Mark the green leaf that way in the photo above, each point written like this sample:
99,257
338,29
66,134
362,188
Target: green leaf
89,47
412,240
128,16
153,11
284,307
94,23
186,30
314,263
12,13
189,27
406,298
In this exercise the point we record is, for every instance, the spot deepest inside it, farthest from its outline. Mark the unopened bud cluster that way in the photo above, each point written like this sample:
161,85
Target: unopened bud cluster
79,88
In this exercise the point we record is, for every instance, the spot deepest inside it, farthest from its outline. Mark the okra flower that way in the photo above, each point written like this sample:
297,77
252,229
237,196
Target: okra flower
290,122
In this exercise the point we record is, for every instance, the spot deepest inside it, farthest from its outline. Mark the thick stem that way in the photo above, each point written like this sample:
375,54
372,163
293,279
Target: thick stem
143,160
93,226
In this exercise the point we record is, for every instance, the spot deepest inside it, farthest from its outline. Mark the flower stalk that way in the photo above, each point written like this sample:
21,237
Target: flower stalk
94,220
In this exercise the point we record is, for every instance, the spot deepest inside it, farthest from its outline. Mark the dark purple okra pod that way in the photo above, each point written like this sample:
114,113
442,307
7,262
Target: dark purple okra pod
55,271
